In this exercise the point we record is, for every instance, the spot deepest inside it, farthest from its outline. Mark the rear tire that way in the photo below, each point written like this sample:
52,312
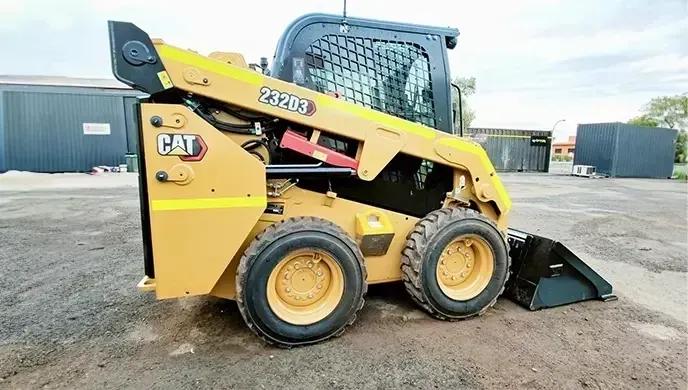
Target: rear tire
455,263
300,281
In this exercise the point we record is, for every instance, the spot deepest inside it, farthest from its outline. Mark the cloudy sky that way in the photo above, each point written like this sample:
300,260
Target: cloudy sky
535,61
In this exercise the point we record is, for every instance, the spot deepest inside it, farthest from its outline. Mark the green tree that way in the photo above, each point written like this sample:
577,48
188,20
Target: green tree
681,153
670,111
467,86
643,120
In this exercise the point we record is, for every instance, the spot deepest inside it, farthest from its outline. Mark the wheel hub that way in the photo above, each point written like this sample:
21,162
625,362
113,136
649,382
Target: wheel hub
305,286
456,262
303,280
465,267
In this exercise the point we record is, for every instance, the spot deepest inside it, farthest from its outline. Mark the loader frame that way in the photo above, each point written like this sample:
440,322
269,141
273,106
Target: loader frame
199,211
192,200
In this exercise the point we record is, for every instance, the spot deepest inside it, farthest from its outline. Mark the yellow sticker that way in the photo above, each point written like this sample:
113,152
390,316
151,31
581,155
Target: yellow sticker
165,79
319,155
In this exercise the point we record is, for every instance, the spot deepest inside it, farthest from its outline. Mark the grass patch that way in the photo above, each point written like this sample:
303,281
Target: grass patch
680,172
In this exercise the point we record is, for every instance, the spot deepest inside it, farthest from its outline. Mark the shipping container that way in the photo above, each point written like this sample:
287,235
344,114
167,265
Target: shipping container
57,124
515,150
622,150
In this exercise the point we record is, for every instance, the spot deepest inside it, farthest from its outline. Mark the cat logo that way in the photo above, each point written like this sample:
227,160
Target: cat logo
188,147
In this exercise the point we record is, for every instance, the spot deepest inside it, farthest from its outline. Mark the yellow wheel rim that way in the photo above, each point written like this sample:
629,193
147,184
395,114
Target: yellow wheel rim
465,267
305,287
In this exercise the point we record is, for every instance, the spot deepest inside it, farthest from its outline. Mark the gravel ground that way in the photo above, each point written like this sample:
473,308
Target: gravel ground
70,255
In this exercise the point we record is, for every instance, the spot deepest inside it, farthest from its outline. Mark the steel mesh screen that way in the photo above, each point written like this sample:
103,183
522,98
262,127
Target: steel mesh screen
388,76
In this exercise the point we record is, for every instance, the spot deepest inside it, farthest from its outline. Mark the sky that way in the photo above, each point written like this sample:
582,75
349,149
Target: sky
535,61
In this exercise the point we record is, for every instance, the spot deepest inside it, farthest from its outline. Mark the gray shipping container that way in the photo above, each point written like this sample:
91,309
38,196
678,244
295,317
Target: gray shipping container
622,150
516,150
64,125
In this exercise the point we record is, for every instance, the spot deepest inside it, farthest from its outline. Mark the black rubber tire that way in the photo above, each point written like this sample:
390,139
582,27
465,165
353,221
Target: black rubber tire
265,252
424,245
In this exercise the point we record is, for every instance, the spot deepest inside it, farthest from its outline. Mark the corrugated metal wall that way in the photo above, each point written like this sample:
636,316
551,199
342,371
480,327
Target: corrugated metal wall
3,158
645,152
513,150
595,145
623,150
131,119
42,128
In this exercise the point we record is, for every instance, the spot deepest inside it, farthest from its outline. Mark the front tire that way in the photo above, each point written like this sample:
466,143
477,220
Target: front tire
455,263
300,281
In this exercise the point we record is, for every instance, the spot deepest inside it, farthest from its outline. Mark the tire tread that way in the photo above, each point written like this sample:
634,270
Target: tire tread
274,232
416,244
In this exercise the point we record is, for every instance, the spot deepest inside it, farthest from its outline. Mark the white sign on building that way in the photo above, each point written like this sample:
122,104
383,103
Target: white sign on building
96,128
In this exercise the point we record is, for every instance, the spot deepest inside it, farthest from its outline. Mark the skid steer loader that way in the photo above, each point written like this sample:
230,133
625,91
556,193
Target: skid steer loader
291,189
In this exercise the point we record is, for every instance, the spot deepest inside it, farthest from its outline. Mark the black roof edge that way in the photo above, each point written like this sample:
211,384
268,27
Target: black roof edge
311,18
449,33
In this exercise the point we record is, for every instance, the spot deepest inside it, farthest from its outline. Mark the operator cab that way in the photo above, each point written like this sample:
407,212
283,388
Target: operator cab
397,68
400,69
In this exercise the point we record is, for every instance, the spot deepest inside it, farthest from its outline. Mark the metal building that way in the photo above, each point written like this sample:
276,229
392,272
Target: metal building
61,124
622,150
515,150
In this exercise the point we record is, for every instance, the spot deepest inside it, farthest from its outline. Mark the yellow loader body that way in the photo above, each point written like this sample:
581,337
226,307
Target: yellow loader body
290,201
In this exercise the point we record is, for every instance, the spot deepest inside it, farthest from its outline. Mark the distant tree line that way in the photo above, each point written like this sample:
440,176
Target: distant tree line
671,112
467,86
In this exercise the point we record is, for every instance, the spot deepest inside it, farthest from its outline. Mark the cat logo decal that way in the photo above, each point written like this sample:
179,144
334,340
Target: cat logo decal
188,147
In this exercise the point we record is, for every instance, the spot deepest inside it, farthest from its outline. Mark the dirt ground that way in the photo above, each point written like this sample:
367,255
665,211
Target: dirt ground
70,317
